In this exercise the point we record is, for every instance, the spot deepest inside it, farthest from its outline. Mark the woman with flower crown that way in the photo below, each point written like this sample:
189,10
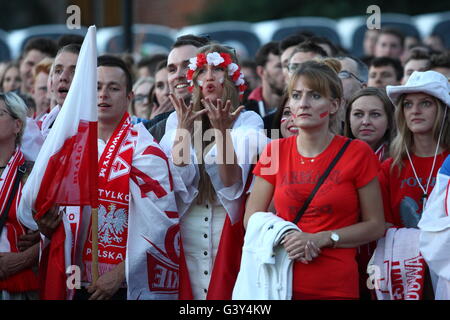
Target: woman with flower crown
213,144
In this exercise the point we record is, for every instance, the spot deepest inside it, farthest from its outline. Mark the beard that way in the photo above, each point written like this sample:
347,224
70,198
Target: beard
276,88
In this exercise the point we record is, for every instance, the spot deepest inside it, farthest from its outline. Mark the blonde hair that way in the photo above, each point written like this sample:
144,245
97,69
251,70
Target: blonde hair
136,85
404,138
44,66
17,109
230,92
321,76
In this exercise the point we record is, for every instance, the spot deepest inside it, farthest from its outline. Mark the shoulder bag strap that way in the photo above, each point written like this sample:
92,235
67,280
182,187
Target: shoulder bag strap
321,181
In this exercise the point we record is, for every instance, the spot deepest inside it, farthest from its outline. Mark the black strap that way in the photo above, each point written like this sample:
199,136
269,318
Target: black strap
20,172
321,181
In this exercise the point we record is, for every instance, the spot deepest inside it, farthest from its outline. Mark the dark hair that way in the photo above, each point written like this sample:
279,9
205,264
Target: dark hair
388,109
29,101
416,54
190,39
309,46
112,61
387,61
362,69
44,45
290,41
150,62
276,122
67,39
248,63
161,65
152,95
262,55
440,60
72,48
322,40
395,32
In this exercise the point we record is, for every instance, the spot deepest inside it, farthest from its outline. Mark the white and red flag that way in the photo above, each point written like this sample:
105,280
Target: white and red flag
65,171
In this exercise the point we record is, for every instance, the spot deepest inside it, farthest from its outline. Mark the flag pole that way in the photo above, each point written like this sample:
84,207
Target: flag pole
94,216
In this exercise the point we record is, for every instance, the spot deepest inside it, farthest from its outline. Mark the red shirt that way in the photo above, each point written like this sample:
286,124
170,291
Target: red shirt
335,272
402,195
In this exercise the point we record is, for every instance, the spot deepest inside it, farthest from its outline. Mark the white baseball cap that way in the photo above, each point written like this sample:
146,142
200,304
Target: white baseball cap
430,82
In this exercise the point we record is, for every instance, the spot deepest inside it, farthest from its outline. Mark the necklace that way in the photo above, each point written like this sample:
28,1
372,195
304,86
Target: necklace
303,160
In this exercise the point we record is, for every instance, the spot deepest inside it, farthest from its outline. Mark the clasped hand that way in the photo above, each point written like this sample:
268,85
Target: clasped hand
301,246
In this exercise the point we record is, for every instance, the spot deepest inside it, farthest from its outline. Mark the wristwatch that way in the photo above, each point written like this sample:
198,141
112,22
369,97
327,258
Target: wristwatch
334,239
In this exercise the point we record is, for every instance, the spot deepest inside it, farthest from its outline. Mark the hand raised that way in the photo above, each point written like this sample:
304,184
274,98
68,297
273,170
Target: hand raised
165,106
185,114
219,115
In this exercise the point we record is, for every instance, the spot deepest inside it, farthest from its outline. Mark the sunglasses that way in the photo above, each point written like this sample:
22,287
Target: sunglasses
347,74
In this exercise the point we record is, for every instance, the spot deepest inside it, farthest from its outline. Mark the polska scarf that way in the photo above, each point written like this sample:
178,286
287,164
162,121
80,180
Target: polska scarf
114,187
398,268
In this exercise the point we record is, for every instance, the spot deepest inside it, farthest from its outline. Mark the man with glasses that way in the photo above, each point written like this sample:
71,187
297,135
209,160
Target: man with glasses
353,76
305,51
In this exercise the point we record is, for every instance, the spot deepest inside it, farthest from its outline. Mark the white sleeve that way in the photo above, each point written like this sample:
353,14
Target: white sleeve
184,194
249,140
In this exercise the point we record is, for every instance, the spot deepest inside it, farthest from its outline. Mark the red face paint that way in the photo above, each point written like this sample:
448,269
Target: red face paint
323,114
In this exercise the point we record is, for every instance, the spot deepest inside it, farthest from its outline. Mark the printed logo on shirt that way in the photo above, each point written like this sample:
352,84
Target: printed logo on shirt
309,177
411,182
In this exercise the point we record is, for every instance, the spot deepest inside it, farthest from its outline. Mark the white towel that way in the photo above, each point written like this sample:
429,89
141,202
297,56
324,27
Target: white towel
266,270
435,236
400,266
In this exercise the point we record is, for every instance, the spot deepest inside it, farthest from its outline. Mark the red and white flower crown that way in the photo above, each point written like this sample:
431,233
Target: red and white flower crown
217,59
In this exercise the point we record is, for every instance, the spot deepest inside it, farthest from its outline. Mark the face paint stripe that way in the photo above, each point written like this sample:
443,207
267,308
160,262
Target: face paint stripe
323,114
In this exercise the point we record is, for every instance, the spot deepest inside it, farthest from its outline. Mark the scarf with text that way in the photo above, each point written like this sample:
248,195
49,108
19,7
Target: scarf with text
398,268
113,187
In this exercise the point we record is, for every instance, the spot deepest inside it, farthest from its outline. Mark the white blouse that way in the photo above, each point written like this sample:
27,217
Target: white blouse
249,140
201,226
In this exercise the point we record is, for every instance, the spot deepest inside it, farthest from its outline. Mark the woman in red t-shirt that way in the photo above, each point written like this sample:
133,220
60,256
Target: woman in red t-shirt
370,118
420,147
345,213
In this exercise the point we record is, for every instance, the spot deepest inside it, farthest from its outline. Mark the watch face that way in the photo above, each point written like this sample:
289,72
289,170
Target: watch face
334,237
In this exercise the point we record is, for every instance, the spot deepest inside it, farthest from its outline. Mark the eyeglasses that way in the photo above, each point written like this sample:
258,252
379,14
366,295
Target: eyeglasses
4,113
292,67
347,74
140,98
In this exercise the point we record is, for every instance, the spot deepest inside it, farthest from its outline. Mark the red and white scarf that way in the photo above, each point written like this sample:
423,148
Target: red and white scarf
25,280
8,177
398,268
381,151
114,188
